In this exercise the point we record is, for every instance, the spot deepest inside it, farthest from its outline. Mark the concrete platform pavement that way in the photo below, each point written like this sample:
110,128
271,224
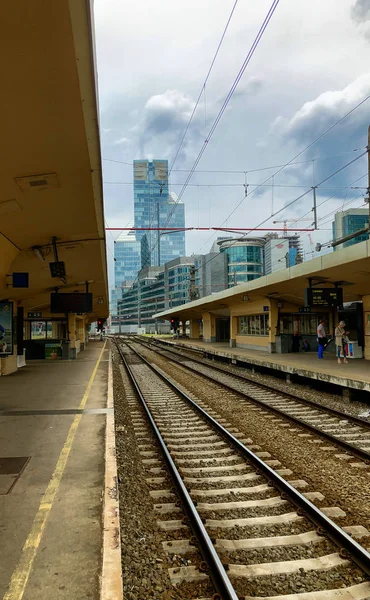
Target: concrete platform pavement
54,416
355,375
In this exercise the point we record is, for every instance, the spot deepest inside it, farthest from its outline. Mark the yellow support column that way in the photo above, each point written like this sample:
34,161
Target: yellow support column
209,327
233,331
194,329
273,324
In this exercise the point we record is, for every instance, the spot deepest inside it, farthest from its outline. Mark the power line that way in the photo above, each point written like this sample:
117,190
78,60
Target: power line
242,172
226,102
278,185
203,86
295,200
230,93
302,151
330,197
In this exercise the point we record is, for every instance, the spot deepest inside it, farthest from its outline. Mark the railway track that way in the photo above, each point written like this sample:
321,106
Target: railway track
350,433
260,537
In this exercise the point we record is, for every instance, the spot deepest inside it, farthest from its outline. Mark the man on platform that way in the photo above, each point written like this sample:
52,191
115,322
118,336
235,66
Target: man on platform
321,338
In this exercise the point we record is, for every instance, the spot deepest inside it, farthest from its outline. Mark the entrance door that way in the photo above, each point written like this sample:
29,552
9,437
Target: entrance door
223,329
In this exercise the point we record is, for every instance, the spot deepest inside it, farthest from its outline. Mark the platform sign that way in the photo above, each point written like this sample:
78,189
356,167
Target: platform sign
6,328
323,297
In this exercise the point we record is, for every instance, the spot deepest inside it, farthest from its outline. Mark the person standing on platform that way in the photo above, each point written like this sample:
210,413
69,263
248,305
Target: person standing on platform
321,338
295,341
341,340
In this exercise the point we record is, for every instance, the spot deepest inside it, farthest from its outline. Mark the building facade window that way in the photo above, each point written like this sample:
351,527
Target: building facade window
254,325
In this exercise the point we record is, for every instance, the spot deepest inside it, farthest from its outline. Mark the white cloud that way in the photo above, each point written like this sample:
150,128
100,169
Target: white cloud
360,13
325,110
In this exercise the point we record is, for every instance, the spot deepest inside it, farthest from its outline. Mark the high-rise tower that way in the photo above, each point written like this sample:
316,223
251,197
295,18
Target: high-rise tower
155,207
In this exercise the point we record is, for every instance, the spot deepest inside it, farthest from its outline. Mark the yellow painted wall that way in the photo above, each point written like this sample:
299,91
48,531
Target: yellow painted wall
194,329
9,364
253,340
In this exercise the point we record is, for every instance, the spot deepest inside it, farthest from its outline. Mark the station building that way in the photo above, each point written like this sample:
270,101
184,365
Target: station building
263,314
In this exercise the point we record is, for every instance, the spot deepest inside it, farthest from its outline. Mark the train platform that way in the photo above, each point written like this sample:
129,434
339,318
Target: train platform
348,377
58,488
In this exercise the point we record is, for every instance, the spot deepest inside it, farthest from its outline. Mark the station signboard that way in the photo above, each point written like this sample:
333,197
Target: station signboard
323,296
6,328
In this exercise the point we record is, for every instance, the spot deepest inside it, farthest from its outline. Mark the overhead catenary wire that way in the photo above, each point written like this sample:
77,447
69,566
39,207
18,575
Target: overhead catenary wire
230,93
330,198
202,91
304,150
198,185
223,108
224,105
243,171
292,201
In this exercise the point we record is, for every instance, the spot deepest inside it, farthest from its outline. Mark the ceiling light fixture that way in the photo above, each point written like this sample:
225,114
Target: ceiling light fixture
38,252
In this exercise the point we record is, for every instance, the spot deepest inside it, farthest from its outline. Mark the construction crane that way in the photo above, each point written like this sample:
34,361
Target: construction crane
285,221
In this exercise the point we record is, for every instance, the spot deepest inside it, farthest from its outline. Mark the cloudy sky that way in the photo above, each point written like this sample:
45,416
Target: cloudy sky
310,68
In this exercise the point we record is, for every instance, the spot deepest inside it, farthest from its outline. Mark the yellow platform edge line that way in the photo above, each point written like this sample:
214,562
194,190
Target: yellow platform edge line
111,580
22,572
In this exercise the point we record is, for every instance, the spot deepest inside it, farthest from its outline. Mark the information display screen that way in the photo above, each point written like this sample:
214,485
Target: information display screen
71,303
323,297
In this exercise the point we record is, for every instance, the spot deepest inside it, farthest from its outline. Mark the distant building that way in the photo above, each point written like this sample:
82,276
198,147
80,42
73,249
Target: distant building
115,294
127,254
211,273
347,222
155,207
245,259
276,255
169,285
282,252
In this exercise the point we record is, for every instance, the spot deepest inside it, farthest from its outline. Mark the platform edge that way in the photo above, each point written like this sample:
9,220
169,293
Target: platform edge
111,576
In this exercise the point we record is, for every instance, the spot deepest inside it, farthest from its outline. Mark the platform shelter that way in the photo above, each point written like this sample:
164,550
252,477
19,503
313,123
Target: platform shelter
264,314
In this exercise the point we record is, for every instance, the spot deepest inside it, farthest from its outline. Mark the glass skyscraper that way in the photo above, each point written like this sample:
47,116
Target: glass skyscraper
127,255
155,207
126,266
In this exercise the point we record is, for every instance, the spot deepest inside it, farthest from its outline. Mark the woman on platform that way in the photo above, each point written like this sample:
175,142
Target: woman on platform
341,340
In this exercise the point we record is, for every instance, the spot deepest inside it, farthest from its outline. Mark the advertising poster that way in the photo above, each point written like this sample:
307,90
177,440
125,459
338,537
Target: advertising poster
53,351
6,328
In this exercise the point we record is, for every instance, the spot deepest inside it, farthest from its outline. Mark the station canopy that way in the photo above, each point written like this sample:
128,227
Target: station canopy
50,163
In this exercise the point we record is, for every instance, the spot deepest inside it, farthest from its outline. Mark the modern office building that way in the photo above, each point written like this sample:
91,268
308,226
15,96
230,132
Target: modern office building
245,259
172,284
126,266
140,302
211,275
155,207
127,254
350,221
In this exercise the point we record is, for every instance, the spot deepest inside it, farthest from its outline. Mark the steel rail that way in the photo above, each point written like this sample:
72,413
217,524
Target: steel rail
358,452
348,546
333,411
217,571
